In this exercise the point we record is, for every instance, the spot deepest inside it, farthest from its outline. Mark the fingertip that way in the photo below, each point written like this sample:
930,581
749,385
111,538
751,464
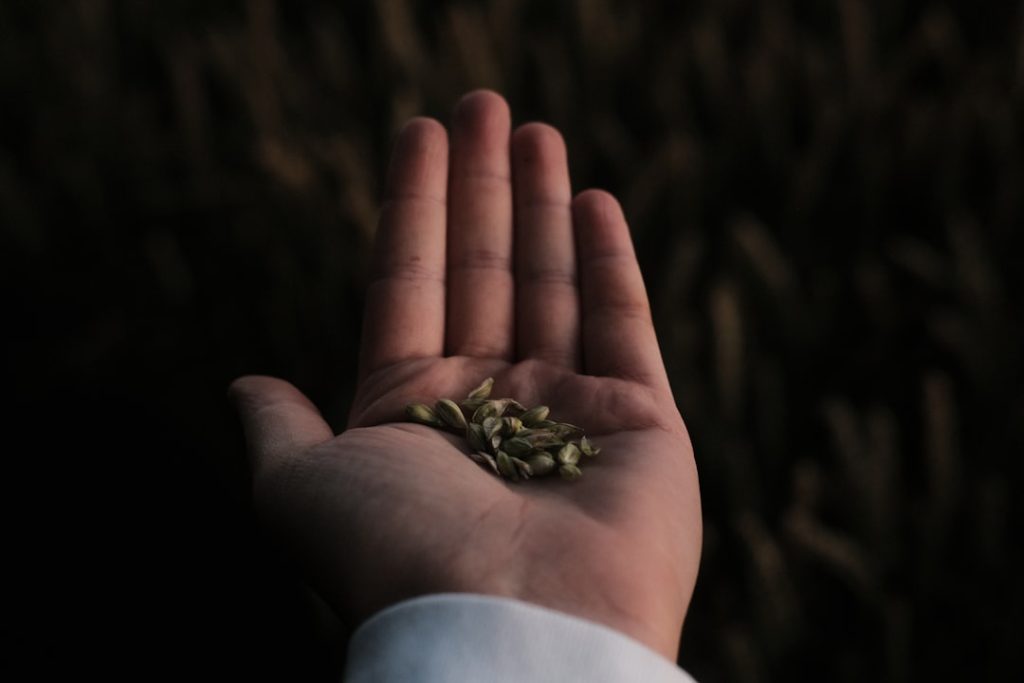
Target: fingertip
481,110
425,131
421,146
600,225
482,97
422,123
240,387
537,136
255,391
597,204
539,147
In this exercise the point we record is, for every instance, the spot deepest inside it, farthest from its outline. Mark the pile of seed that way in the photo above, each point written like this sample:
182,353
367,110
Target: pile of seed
506,438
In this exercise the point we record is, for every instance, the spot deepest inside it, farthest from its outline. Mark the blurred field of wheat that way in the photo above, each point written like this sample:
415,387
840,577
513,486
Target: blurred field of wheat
827,203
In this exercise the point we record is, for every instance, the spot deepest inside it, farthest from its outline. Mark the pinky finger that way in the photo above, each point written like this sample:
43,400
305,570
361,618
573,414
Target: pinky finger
618,333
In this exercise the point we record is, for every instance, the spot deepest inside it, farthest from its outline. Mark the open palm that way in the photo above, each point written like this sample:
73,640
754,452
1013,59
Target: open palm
486,266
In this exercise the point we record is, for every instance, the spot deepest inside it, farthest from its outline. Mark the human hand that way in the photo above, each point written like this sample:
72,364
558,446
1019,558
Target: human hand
558,316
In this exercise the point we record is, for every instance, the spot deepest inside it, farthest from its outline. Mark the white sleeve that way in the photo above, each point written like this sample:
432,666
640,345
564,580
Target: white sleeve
453,638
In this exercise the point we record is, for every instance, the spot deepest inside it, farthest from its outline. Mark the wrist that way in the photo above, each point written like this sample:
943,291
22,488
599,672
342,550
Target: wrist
637,603
657,629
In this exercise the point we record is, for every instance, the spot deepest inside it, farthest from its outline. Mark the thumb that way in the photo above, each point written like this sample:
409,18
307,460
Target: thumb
278,420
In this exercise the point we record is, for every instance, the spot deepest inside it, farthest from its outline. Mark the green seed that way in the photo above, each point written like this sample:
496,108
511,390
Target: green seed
541,463
534,415
514,408
489,409
470,405
423,414
505,466
542,439
492,427
522,468
482,391
486,460
567,431
449,411
517,447
569,454
477,437
510,426
570,472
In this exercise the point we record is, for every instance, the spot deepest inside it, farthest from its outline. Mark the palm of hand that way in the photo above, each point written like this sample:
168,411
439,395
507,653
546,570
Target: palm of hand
416,516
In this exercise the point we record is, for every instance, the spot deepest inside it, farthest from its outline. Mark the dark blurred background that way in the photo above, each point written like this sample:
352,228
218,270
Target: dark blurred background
826,200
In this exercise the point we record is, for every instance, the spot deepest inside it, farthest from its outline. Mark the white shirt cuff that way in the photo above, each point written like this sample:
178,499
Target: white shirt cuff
454,637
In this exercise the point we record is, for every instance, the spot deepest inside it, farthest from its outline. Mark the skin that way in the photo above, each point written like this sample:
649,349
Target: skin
486,265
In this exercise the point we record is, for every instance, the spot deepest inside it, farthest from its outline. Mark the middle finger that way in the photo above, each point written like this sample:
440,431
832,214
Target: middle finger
480,283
